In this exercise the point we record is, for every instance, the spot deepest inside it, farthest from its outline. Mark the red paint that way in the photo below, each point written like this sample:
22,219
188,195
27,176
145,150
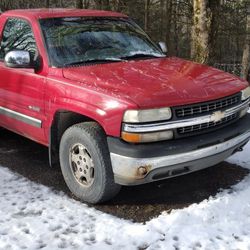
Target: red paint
158,82
104,91
50,13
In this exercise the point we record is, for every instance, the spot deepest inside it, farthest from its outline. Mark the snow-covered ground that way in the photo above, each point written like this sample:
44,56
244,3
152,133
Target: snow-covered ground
33,216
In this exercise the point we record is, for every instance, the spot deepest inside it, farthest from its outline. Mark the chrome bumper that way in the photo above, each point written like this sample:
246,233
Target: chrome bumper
133,171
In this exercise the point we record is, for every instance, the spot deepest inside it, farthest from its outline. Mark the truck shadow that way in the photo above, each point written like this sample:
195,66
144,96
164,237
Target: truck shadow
138,203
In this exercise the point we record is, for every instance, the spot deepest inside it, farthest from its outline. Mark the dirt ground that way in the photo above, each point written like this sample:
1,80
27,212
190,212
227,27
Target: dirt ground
139,203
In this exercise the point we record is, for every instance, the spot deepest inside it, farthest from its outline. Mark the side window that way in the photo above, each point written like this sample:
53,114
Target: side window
17,35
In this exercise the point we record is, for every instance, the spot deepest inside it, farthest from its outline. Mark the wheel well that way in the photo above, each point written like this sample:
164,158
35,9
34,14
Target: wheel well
63,119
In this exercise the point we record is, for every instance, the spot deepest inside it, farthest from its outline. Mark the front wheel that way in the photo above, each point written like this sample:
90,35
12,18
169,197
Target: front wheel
85,163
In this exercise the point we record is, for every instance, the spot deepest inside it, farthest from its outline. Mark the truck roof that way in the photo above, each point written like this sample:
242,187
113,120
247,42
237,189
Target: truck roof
63,12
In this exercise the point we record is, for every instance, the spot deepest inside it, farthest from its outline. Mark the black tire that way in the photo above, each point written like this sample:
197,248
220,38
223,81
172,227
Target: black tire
102,186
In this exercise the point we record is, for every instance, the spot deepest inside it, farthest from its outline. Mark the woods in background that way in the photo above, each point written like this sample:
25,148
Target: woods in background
207,31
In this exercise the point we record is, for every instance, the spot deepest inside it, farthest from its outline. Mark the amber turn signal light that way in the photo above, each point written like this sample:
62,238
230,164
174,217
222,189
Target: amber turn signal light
147,137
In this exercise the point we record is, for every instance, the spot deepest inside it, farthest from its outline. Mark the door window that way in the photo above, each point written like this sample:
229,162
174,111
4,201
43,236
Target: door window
17,35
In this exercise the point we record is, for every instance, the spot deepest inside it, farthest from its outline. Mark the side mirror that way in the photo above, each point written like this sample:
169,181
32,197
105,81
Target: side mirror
18,59
163,47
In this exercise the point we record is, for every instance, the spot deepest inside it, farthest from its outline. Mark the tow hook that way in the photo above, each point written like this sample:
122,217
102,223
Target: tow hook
142,171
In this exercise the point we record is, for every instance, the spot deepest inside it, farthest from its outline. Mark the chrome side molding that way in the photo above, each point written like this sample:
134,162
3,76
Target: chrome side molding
21,117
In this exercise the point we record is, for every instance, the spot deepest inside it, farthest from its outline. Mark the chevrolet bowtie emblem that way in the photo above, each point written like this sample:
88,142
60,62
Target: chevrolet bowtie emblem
217,116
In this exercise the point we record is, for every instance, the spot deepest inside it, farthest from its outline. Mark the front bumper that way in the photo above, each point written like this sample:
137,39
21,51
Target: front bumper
138,164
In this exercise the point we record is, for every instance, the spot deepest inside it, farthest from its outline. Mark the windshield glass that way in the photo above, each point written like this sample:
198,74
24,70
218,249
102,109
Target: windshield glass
79,40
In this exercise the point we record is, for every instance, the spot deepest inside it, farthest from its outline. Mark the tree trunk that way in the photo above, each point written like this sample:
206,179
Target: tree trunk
175,45
204,30
146,15
169,7
106,5
61,4
79,4
246,53
98,4
117,5
47,3
86,4
162,2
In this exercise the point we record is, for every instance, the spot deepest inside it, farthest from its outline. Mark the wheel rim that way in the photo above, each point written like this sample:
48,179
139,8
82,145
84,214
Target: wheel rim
82,165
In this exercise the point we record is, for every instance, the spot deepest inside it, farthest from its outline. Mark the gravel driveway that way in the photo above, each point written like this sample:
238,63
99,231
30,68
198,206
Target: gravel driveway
31,161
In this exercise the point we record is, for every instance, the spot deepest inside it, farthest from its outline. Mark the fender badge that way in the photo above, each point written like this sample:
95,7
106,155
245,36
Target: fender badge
34,108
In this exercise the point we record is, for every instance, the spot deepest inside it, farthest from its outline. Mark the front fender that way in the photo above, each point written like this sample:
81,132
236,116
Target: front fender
105,109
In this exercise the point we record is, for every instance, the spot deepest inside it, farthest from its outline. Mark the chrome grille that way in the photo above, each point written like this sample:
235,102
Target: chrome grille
206,126
202,108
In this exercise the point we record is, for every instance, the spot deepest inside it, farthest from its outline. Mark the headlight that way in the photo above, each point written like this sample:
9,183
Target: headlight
245,94
147,115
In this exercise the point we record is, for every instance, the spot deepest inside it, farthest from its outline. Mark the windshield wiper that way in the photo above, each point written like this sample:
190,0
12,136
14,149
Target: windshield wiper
142,55
95,61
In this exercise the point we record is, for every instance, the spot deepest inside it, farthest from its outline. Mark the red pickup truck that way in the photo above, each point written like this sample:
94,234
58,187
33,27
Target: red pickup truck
112,108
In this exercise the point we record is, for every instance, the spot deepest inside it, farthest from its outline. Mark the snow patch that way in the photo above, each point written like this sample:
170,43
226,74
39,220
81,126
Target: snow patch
33,216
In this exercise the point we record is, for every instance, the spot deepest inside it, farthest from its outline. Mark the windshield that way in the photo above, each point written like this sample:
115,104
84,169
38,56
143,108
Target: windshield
80,40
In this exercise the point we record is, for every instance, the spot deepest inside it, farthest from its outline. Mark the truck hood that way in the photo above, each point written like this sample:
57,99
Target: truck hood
157,82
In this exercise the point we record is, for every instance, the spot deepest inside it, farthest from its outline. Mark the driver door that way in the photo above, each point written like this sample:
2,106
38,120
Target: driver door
21,90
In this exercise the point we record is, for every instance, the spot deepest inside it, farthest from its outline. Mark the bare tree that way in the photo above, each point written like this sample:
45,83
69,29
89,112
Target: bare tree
117,5
86,4
146,15
79,4
106,5
208,30
204,30
169,22
162,20
246,51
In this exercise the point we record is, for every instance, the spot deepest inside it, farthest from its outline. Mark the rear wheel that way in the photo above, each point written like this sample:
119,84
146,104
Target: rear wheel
85,163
